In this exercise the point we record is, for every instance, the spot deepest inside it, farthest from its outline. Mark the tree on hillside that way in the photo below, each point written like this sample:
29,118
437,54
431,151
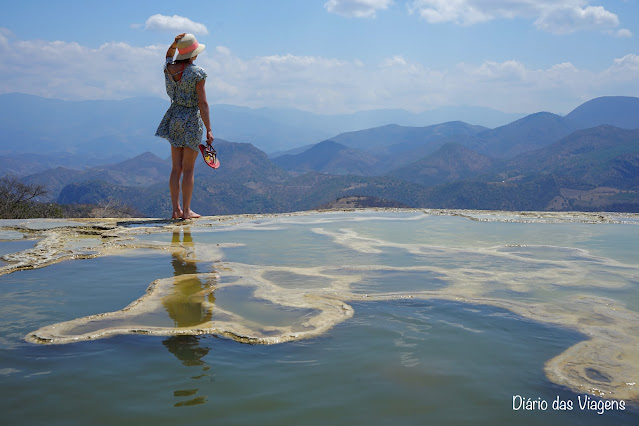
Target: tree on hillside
17,200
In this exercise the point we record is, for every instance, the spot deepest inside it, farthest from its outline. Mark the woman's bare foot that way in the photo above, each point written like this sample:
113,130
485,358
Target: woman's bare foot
190,215
177,214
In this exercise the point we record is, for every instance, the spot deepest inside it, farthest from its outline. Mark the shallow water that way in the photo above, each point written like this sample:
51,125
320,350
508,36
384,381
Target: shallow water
451,319
13,246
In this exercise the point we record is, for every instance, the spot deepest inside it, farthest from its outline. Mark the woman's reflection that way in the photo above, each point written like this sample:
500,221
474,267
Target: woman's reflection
186,302
189,351
186,305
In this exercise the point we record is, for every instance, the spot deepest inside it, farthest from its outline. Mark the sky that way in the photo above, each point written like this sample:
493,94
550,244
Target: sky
331,56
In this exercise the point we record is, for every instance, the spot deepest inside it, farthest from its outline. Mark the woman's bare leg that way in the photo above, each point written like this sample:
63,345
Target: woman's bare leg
177,158
188,166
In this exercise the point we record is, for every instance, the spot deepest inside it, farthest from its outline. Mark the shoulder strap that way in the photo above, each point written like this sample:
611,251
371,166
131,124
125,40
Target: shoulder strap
179,72
174,74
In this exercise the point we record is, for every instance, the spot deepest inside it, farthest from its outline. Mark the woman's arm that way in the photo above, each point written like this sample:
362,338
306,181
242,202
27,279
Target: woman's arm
204,109
171,51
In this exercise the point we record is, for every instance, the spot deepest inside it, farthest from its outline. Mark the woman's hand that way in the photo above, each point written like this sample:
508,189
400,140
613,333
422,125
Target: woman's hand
173,47
209,137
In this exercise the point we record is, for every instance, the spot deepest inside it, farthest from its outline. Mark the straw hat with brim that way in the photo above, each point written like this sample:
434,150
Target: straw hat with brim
188,47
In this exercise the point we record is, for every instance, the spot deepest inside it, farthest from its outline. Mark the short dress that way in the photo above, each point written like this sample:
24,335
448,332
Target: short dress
182,124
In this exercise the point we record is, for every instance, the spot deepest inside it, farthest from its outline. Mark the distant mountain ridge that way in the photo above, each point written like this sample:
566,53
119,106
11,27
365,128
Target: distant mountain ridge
142,170
400,146
618,111
250,184
526,134
125,128
572,173
376,151
534,163
393,135
449,163
88,128
330,157
601,156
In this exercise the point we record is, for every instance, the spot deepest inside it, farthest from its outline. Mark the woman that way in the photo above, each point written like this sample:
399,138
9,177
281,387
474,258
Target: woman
184,122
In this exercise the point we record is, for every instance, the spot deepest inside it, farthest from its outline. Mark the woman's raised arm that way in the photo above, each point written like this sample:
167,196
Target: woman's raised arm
171,51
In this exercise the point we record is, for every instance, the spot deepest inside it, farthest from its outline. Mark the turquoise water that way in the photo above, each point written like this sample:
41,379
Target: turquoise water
410,361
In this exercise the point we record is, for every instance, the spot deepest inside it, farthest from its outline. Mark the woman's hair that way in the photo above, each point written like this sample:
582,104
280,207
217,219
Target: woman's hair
182,61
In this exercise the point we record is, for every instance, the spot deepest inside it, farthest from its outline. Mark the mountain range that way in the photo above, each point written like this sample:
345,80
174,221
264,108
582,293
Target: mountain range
86,133
526,134
586,160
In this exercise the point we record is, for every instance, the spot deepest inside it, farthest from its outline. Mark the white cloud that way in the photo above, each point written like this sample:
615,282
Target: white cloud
459,11
328,85
498,71
5,33
357,8
175,23
318,84
223,50
555,16
395,60
627,67
623,33
564,19
69,70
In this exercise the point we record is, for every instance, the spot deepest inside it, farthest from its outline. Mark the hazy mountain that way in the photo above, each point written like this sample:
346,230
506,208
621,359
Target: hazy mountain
403,138
542,129
102,131
535,163
108,128
32,124
475,115
241,162
99,192
526,134
269,129
25,164
601,156
399,145
376,151
593,170
247,182
449,163
142,170
298,128
330,157
54,180
563,176
28,164
618,111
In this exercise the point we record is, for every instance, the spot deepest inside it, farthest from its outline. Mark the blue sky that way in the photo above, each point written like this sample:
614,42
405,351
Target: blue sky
329,56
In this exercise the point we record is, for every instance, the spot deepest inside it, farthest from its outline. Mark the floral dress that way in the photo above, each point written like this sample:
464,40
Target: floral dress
182,124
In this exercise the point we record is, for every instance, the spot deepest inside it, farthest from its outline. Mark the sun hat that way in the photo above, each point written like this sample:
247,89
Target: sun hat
188,47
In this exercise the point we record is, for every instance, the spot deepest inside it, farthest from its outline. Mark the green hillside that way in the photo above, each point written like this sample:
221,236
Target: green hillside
602,156
449,163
